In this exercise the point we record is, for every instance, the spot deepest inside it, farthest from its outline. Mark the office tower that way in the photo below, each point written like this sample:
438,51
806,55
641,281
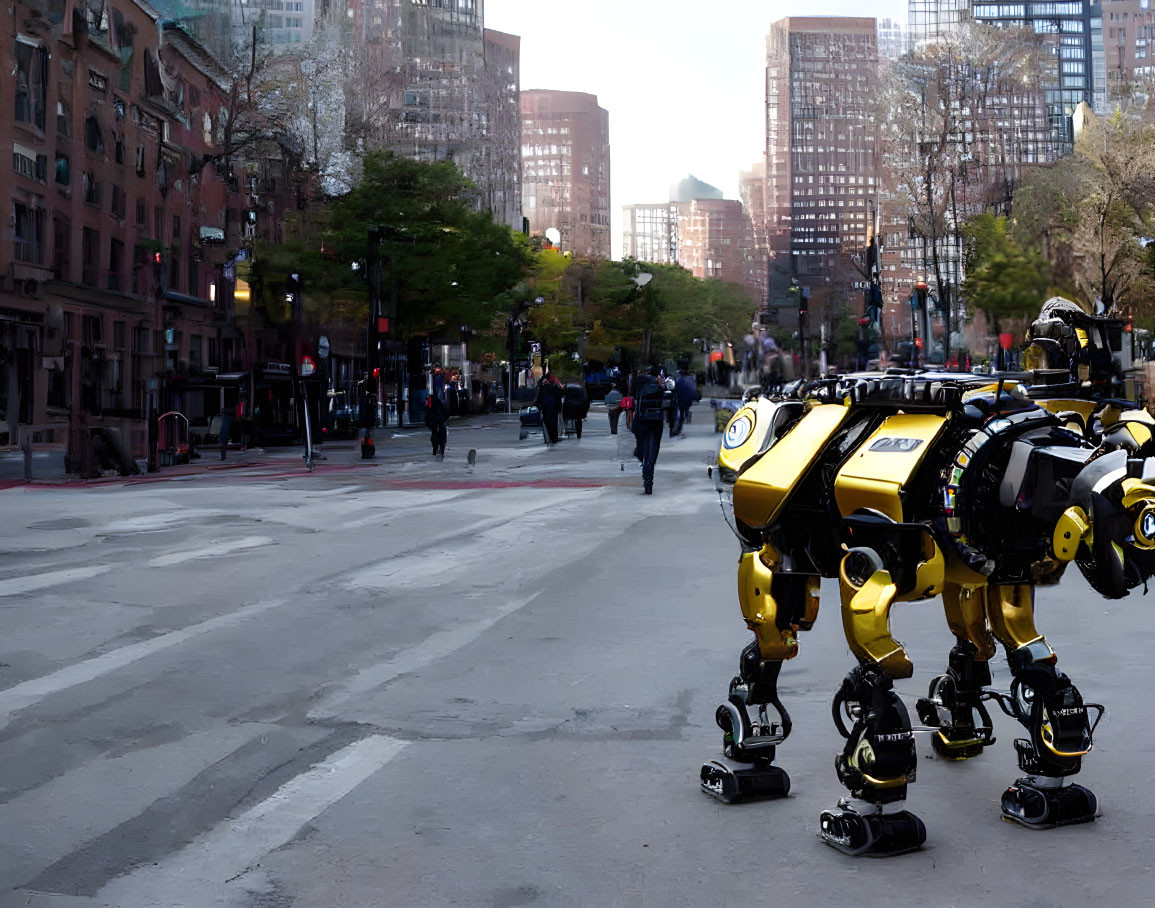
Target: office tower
565,152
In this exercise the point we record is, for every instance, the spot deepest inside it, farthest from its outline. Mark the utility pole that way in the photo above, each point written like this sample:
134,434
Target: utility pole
923,325
803,328
372,343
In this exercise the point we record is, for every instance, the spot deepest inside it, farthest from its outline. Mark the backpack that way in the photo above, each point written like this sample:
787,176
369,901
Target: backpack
653,402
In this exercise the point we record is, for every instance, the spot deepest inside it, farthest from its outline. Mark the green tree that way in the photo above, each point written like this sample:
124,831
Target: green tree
1003,280
443,262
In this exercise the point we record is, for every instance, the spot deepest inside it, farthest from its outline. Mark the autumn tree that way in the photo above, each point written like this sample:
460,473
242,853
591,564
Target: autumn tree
961,116
1090,213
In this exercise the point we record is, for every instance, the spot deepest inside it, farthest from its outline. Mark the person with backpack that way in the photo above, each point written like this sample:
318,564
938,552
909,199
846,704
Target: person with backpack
575,405
437,421
686,391
652,406
549,400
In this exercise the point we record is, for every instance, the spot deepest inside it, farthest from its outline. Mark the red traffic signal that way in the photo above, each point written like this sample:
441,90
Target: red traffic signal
156,258
308,367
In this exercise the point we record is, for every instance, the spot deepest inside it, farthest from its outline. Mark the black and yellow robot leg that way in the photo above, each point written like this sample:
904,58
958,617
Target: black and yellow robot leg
879,758
1051,709
753,720
954,704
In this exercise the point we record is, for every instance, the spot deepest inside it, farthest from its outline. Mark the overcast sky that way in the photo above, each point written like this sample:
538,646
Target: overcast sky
682,79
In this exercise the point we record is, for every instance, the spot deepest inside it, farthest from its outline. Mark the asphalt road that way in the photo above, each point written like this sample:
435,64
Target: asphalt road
415,683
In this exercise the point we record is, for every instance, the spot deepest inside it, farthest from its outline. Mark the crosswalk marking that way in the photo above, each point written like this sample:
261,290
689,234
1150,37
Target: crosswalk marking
192,877
434,647
18,585
21,696
217,550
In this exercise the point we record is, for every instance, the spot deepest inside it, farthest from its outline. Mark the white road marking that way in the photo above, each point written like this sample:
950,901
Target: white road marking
226,547
33,691
235,846
17,585
103,793
434,647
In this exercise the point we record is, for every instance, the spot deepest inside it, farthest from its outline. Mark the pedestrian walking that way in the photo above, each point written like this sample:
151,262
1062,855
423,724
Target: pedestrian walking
685,394
652,402
575,405
225,430
548,399
614,407
437,421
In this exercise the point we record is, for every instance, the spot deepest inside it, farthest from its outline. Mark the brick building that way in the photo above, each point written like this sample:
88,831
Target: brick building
714,240
1129,45
565,155
113,266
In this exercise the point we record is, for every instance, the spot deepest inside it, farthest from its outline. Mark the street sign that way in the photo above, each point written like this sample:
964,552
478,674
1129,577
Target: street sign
308,367
323,347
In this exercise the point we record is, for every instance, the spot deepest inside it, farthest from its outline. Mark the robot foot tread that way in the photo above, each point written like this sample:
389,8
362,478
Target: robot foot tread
731,782
871,835
1040,807
958,743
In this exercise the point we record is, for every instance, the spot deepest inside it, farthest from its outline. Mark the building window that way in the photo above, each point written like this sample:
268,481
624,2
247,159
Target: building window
91,189
63,173
140,212
119,151
61,253
93,140
115,264
119,203
31,77
27,233
63,119
90,258
28,163
140,160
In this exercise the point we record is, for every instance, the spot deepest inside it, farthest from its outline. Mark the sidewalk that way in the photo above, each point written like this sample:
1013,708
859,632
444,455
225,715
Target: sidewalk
340,454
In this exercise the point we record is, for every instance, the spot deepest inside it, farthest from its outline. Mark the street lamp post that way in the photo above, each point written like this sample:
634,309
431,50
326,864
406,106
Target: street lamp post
513,324
372,344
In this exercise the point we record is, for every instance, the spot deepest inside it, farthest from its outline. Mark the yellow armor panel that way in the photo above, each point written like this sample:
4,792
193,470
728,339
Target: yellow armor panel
1069,532
1060,404
966,616
761,490
1011,613
876,473
761,610
866,622
746,435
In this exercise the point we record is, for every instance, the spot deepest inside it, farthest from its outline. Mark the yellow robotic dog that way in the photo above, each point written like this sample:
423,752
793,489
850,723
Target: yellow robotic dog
911,487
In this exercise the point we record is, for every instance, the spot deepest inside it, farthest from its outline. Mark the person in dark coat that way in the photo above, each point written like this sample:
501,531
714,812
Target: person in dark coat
686,393
575,405
548,399
651,406
437,421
